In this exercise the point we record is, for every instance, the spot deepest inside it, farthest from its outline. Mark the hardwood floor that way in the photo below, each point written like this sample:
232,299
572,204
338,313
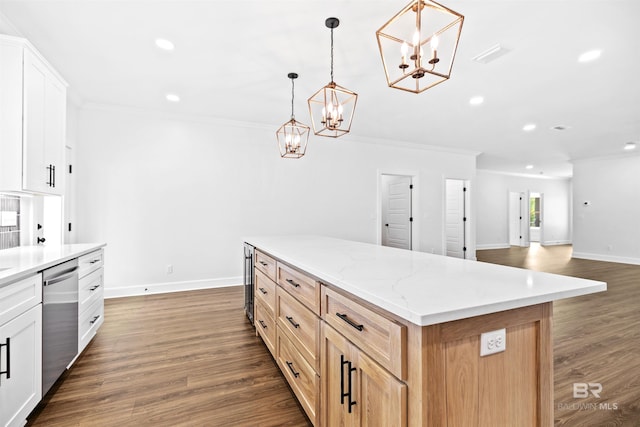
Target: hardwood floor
596,337
192,359
181,359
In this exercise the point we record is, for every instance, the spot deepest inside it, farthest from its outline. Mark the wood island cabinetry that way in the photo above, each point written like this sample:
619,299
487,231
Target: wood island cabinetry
353,362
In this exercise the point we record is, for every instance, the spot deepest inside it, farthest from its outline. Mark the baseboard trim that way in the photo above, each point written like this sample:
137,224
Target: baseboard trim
555,242
493,246
163,288
607,258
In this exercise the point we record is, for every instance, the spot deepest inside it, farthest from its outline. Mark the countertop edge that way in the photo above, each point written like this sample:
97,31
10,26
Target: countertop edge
22,273
436,317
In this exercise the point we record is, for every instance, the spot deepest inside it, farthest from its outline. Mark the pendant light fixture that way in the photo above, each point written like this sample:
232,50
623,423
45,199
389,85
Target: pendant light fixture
418,45
293,136
332,107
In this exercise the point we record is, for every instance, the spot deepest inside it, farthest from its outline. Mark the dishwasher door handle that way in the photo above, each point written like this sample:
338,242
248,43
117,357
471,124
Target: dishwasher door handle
61,278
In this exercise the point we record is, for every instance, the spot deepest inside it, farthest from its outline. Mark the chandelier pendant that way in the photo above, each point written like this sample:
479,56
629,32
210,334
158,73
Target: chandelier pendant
332,107
292,136
418,45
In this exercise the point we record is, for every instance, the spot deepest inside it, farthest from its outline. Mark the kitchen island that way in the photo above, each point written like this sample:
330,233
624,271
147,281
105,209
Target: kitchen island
371,335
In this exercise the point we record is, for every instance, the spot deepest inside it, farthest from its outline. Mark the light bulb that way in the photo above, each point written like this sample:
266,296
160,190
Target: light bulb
434,42
404,49
416,38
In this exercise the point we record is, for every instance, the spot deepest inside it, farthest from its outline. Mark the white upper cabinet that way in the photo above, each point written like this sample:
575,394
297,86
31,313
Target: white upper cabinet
33,104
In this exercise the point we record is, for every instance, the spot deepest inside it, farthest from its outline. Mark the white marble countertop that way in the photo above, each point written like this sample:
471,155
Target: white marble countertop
422,288
16,263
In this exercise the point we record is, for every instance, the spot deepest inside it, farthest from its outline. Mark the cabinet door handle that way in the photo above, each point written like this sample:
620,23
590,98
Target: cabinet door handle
342,393
290,365
263,291
262,324
53,183
292,283
94,288
350,322
50,182
263,263
290,319
8,345
95,319
351,402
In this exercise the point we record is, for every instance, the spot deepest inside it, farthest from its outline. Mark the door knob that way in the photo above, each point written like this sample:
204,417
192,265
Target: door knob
40,240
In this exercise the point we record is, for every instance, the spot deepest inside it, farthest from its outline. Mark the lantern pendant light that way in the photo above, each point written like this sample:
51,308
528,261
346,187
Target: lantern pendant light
332,107
292,136
418,45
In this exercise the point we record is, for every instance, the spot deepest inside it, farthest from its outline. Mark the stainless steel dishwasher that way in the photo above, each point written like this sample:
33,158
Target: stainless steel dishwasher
59,320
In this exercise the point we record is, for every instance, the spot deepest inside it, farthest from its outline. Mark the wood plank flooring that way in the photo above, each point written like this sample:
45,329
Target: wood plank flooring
596,337
181,359
192,359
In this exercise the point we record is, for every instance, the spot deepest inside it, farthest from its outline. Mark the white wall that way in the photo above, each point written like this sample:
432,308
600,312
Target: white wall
492,197
607,229
163,190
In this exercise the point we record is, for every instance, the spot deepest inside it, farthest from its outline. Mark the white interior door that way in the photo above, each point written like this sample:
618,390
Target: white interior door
396,211
518,219
455,218
515,219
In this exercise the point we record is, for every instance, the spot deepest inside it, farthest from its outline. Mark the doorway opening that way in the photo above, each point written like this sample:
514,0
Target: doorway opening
535,217
396,211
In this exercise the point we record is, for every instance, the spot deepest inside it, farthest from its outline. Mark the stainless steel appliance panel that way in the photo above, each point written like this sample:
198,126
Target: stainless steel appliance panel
59,320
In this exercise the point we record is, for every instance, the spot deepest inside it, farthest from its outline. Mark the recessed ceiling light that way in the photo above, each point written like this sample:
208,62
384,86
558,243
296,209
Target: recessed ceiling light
630,146
529,127
164,44
476,100
589,56
173,97
529,167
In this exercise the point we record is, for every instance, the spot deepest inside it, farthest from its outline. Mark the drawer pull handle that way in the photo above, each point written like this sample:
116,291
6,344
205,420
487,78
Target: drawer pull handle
292,283
290,319
94,288
8,345
93,261
263,291
350,322
290,365
262,324
94,320
264,264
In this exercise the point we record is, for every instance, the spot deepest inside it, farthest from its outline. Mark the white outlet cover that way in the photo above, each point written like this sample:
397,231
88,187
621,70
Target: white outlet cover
493,342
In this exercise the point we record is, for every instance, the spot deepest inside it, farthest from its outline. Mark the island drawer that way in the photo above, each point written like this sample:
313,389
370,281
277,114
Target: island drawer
266,264
383,339
265,290
266,326
300,375
302,326
301,286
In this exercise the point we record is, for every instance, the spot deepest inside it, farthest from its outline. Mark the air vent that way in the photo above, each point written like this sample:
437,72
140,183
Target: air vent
491,54
560,127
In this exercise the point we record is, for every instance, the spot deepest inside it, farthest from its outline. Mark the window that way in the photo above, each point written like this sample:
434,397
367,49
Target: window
534,211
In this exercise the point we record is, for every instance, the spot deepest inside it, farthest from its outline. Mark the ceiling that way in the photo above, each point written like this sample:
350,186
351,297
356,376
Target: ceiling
232,57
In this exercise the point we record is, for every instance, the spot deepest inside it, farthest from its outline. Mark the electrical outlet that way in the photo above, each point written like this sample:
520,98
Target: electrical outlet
169,268
493,342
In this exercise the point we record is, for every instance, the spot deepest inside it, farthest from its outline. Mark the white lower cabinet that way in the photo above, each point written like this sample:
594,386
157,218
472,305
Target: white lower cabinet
91,296
20,366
